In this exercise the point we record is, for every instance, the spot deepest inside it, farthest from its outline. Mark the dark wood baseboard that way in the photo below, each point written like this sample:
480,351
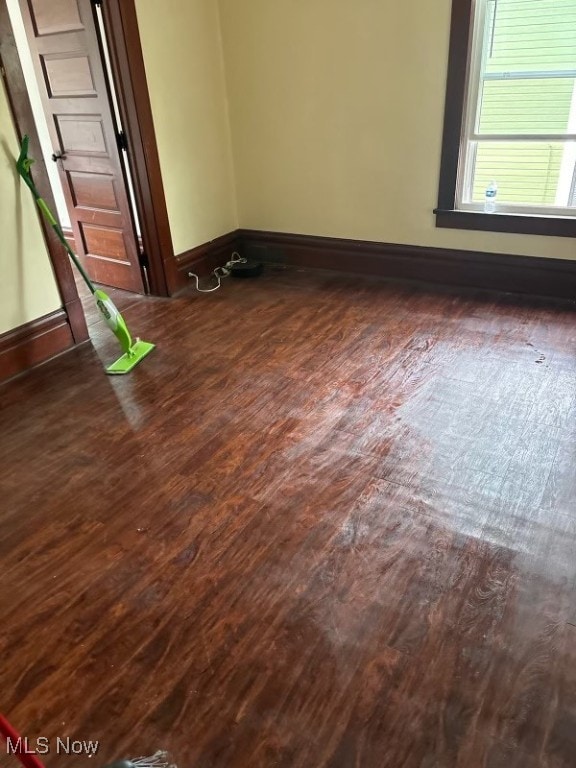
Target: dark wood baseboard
206,257
516,274
34,343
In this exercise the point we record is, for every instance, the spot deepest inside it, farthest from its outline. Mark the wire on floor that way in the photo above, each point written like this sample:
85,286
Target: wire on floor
219,273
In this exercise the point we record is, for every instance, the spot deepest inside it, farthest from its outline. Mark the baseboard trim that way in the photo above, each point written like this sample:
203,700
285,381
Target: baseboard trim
34,343
204,258
515,274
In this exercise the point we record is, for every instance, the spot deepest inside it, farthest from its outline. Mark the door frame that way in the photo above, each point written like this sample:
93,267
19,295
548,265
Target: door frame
127,62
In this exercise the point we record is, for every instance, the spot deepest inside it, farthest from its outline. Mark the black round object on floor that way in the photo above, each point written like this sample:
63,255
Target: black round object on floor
248,269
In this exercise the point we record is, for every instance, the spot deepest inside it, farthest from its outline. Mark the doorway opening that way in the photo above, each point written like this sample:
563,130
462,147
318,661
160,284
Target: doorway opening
75,78
63,50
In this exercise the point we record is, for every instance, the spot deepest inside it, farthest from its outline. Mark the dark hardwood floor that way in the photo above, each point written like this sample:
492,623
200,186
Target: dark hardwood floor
329,523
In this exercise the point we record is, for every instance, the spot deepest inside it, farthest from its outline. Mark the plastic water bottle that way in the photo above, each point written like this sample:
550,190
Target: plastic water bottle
490,197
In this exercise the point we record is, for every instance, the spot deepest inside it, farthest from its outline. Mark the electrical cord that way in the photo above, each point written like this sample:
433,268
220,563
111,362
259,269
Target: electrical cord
219,273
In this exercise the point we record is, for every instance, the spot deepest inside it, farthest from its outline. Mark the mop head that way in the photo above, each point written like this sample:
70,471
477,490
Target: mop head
130,359
159,759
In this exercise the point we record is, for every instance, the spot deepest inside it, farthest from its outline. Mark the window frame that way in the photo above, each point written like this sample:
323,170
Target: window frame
447,215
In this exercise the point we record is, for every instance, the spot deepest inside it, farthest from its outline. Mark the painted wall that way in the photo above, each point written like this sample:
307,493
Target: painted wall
182,48
29,289
336,112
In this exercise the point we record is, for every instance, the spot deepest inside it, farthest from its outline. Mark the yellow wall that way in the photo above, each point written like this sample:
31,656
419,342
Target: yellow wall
336,112
182,48
28,288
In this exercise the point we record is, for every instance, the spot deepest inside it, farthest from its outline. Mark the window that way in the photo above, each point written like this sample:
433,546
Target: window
511,116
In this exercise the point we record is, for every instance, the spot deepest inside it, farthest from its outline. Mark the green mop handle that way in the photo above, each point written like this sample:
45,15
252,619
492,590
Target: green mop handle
23,165
111,315
133,352
56,227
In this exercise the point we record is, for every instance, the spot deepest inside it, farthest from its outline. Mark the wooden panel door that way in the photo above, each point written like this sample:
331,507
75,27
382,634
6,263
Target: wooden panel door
66,54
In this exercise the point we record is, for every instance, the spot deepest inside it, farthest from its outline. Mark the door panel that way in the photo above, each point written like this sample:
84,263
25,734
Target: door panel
59,16
65,49
68,76
92,190
110,242
81,135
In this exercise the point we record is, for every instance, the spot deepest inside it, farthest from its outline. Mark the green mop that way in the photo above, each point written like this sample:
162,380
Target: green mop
134,351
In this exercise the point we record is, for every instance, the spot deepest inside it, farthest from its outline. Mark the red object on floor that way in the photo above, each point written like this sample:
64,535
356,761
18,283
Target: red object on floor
27,759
